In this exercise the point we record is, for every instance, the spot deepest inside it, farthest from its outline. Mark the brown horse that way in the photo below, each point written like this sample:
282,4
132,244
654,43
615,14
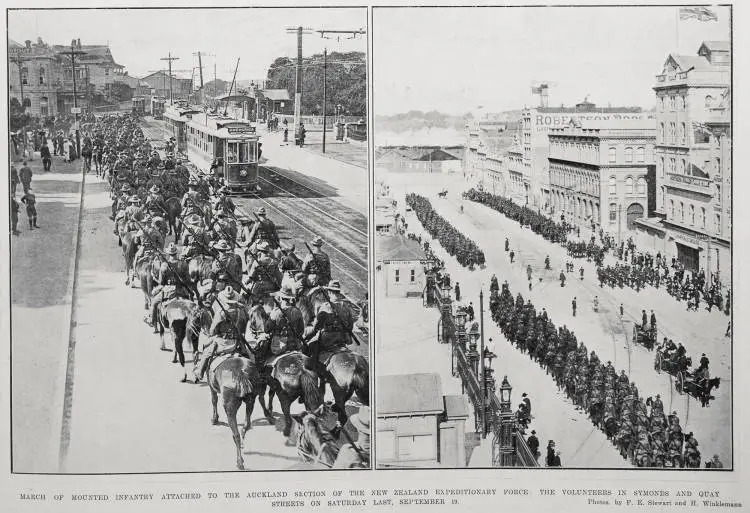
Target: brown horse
183,318
129,243
146,270
315,442
173,211
237,380
199,268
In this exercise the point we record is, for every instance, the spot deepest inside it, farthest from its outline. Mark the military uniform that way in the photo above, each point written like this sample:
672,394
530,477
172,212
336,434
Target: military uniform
263,275
229,321
285,328
317,266
333,325
169,282
264,230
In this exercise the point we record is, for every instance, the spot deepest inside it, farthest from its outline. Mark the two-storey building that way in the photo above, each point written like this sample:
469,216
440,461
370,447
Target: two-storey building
693,154
34,76
598,170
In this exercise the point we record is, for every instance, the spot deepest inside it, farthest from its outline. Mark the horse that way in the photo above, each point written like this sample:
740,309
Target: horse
199,268
129,243
173,211
315,442
183,318
346,373
237,380
146,270
291,379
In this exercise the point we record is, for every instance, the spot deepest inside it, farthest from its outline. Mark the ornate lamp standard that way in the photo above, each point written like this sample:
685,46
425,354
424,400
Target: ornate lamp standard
506,455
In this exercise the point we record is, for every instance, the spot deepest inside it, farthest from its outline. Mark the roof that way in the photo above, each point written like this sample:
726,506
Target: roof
688,62
717,46
410,394
175,76
400,249
619,124
276,95
455,406
14,44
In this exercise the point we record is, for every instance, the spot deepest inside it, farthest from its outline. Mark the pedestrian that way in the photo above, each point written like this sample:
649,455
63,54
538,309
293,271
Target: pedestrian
562,279
644,319
528,272
470,311
550,460
556,461
527,402
457,292
546,263
622,311
715,463
46,157
30,200
15,207
575,306
533,443
13,180
507,245
302,133
582,273
25,175
530,287
512,256
653,320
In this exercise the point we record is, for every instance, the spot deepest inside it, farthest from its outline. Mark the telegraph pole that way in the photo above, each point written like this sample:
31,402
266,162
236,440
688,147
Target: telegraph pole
481,363
73,52
353,34
170,59
300,31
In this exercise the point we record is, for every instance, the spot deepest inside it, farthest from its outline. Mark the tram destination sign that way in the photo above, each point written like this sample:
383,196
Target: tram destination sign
241,129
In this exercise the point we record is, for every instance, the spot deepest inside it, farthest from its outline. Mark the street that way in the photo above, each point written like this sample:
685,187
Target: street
604,332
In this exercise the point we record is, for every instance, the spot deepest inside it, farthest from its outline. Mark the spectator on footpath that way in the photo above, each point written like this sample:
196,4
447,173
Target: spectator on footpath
622,310
46,157
533,443
575,306
30,200
550,453
13,180
302,133
470,311
15,207
25,175
512,256
715,462
556,460
457,292
527,402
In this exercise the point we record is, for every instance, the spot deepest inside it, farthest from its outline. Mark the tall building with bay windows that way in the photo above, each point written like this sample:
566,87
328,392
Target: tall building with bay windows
693,155
598,172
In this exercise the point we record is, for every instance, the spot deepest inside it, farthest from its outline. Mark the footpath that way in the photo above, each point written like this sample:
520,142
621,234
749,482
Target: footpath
332,177
42,279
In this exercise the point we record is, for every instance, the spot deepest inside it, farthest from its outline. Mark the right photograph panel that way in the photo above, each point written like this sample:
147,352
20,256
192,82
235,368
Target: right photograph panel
553,217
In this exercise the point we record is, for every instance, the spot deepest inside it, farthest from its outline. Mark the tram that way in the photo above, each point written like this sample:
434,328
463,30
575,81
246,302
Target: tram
175,122
157,106
227,147
139,105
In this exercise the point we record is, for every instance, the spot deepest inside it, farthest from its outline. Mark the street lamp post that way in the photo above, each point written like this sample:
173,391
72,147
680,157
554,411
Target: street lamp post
73,53
507,422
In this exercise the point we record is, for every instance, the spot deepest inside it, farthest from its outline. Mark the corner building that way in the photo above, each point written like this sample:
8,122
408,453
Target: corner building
693,159
598,172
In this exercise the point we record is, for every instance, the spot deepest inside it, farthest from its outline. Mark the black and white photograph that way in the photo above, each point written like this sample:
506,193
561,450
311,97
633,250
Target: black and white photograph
188,207
553,237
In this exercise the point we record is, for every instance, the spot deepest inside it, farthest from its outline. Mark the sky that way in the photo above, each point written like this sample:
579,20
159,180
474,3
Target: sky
139,37
456,60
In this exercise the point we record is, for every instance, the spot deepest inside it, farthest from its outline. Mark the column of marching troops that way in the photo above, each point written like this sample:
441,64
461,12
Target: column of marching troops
222,263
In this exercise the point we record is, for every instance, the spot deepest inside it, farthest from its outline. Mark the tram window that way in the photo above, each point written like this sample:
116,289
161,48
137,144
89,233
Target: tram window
252,152
232,152
243,153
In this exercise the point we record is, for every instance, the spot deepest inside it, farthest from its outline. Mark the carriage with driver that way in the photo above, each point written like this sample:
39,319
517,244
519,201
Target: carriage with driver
677,367
644,335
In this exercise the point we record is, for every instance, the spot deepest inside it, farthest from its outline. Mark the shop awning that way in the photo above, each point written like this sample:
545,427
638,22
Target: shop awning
688,244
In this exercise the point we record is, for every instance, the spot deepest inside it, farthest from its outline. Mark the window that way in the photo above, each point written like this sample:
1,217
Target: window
629,185
661,132
25,76
692,214
613,155
680,103
41,75
612,185
683,133
718,165
681,169
398,275
412,276
416,447
640,154
709,101
671,165
386,445
672,131
718,191
660,165
663,197
681,212
612,213
703,218
671,103
717,223
628,154
671,209
641,185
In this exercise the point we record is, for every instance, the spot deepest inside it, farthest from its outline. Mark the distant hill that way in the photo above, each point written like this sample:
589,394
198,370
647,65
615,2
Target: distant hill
416,120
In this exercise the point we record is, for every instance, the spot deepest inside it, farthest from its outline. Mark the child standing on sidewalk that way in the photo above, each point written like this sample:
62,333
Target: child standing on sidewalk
30,200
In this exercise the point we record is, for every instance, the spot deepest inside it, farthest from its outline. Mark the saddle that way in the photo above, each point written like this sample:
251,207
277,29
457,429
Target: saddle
292,368
325,355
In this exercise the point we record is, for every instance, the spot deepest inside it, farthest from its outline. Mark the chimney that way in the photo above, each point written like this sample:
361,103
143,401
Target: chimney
28,43
79,43
73,43
39,41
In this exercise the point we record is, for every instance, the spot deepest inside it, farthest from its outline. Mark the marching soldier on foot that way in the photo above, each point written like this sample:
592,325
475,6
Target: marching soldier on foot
30,200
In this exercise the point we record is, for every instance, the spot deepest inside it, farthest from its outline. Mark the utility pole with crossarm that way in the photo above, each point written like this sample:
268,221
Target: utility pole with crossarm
73,52
170,59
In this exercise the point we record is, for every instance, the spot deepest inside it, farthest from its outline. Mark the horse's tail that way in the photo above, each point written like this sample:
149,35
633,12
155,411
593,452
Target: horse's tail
310,391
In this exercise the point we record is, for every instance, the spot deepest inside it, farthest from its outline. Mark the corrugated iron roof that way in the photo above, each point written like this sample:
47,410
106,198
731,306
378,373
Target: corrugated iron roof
455,406
399,248
410,393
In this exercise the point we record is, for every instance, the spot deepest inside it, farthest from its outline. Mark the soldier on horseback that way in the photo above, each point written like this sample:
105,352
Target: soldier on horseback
151,242
227,325
223,202
191,202
285,327
317,265
263,276
155,202
170,284
264,230
333,325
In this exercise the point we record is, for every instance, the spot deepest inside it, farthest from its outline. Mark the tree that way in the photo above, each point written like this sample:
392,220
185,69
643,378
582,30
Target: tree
346,82
18,116
121,92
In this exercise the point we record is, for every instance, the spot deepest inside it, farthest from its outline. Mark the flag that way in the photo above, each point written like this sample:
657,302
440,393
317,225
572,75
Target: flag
698,13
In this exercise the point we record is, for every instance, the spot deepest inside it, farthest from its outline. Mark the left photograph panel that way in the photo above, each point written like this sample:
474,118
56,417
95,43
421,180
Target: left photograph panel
189,237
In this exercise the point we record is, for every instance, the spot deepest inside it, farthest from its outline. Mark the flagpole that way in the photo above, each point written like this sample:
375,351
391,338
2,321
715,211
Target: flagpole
677,30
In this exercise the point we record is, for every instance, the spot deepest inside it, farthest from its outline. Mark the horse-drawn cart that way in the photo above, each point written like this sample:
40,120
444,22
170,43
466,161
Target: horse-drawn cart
644,335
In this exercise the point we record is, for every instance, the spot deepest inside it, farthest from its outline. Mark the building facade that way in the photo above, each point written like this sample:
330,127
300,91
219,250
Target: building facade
535,125
597,172
34,76
159,82
693,159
